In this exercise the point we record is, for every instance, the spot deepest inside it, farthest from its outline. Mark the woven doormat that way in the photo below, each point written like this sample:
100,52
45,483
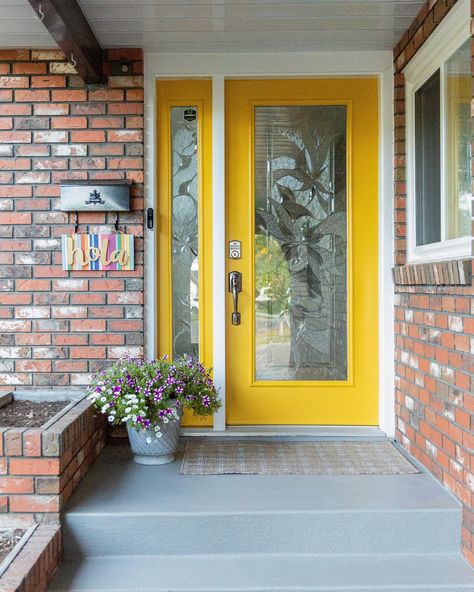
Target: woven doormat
208,457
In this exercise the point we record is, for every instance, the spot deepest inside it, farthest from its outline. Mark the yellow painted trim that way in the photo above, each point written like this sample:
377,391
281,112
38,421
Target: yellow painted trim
175,93
355,400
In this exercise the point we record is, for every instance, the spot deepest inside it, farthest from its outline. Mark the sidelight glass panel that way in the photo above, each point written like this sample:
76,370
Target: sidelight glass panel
301,242
185,267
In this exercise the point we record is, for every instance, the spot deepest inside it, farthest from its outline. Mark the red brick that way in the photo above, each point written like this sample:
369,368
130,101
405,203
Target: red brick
32,443
29,68
16,137
87,325
33,366
16,109
34,503
16,484
70,339
134,122
106,95
48,81
126,325
65,96
88,298
37,466
14,218
107,339
125,163
32,96
14,54
33,285
68,122
125,136
88,136
6,123
87,352
69,366
15,164
106,122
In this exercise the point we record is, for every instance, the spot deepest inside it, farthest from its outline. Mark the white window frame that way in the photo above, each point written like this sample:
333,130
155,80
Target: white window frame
451,33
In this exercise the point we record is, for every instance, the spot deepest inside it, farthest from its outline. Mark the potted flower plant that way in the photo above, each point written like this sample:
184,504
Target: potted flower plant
149,396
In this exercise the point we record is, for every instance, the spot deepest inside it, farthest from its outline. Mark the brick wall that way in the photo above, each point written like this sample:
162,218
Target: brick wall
57,327
434,329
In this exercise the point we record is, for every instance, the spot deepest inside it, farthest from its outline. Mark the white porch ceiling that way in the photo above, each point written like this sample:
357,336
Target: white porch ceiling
225,25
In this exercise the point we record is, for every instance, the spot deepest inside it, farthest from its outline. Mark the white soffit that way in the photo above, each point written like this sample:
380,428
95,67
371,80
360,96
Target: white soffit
225,25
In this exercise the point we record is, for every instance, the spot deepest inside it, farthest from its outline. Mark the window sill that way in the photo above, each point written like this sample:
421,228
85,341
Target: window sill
453,272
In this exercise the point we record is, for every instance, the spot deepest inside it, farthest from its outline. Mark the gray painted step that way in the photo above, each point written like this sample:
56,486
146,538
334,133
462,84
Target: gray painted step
361,532
154,510
266,573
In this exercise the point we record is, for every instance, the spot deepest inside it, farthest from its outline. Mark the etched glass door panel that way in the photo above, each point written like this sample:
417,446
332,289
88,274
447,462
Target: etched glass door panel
184,265
300,243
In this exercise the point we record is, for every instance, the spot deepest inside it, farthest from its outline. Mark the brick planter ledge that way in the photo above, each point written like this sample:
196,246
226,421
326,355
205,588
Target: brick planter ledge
41,467
32,566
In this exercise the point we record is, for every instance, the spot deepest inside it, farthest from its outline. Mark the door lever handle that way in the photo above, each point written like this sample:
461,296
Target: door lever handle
235,286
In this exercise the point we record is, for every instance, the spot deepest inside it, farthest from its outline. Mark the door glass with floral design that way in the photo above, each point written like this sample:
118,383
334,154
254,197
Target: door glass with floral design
185,269
301,242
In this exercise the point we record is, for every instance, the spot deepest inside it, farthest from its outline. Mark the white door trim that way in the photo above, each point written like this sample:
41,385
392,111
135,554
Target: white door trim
218,67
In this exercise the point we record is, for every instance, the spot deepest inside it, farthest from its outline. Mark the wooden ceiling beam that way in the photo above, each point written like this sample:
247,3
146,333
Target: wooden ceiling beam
68,26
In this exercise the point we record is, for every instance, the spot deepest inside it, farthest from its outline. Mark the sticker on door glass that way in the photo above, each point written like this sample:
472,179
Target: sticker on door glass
189,115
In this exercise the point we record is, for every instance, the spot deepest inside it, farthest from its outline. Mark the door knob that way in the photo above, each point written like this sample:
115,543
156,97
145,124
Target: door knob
235,286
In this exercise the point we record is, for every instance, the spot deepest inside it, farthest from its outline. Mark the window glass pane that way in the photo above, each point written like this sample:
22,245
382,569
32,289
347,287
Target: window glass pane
458,141
184,162
300,243
427,161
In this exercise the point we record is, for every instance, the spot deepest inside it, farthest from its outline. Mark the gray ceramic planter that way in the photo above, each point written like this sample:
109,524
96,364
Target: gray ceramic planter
158,451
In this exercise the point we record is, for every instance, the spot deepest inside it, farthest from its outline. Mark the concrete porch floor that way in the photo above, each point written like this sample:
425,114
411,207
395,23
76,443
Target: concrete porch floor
131,527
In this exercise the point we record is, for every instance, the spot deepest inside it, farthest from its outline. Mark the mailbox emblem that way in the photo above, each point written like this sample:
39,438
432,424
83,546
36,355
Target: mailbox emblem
94,198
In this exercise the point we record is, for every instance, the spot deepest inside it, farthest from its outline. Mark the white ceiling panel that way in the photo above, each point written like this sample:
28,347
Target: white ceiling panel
225,25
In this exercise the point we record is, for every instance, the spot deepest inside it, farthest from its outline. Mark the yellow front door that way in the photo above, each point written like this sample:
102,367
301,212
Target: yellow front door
301,179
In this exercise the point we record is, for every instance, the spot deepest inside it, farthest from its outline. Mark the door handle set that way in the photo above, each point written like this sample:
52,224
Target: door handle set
235,287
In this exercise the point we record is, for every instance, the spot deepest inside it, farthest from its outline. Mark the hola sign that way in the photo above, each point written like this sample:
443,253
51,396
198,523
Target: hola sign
106,252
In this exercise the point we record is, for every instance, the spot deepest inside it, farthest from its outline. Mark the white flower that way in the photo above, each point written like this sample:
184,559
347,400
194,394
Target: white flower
111,418
104,408
148,440
128,409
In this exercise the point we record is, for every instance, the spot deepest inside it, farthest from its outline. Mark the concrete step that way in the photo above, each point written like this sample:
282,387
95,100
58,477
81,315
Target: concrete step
121,506
328,532
265,573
